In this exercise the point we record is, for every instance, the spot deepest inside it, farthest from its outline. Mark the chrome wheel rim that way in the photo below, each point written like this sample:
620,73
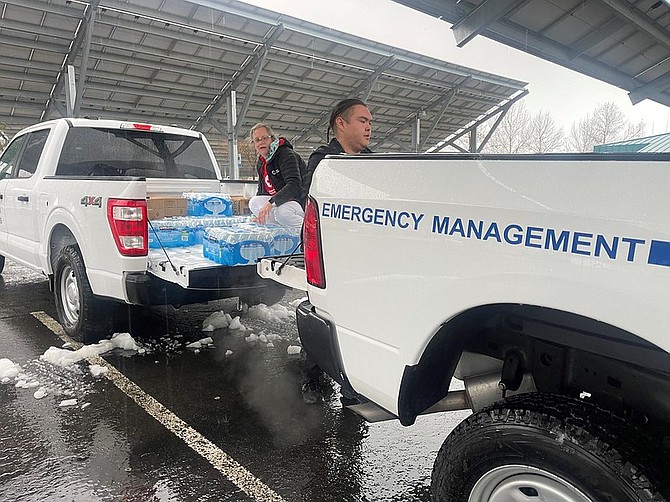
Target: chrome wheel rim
69,293
512,483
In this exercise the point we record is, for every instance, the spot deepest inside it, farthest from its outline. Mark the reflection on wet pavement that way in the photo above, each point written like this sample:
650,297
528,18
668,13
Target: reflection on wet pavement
242,393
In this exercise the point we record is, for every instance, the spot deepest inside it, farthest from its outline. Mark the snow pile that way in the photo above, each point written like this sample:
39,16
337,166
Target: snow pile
203,342
68,402
97,370
276,313
65,358
40,393
217,320
292,350
8,370
236,324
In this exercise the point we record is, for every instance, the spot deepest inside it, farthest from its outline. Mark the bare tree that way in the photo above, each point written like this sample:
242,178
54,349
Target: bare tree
544,134
606,124
512,134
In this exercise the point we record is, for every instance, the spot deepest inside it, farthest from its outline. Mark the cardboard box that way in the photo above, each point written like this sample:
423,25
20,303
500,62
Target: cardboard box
240,205
164,206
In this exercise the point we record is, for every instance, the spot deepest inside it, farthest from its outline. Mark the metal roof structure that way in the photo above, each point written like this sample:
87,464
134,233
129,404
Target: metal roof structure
659,143
622,42
220,66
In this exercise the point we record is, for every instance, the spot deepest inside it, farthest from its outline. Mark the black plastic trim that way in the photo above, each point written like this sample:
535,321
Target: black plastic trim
319,339
205,285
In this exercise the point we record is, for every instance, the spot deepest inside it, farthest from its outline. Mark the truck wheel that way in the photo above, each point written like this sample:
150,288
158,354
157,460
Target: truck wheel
2,263
84,317
270,295
548,447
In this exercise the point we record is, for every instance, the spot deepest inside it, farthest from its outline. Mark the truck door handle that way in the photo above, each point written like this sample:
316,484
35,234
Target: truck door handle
23,198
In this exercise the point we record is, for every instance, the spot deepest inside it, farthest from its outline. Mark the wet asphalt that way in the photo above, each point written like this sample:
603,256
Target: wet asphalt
241,399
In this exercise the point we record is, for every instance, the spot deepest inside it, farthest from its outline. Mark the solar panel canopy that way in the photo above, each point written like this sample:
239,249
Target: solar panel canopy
625,43
222,66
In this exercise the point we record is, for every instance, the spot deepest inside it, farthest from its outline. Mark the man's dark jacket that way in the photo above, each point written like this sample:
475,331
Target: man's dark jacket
332,148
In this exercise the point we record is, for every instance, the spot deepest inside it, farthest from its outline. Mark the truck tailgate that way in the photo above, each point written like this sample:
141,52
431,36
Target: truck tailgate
185,266
288,270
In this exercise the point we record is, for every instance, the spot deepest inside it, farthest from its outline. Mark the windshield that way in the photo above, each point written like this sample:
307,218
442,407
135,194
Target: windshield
89,151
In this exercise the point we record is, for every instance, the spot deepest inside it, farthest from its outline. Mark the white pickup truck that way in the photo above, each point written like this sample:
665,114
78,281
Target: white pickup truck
73,205
540,282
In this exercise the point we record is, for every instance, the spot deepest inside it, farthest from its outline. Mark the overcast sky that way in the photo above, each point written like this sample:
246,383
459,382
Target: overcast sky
567,95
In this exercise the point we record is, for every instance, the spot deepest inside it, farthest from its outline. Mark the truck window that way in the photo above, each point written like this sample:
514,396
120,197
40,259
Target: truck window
89,151
31,154
10,157
21,157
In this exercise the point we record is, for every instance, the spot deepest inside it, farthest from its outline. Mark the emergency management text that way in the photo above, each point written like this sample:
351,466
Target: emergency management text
374,215
566,241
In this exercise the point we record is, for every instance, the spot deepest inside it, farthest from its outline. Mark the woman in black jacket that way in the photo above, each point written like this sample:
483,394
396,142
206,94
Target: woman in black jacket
280,197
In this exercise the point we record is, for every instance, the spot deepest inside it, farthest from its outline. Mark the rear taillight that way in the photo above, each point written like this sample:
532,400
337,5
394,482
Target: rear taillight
128,222
312,246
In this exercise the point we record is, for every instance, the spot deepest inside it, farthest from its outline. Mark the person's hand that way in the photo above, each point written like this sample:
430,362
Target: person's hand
264,213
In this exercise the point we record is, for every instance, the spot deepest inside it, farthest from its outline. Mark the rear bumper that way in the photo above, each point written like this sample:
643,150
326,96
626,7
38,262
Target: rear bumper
212,284
319,339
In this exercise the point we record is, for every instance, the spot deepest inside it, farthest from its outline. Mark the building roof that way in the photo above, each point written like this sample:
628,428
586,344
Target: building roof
176,61
625,43
659,143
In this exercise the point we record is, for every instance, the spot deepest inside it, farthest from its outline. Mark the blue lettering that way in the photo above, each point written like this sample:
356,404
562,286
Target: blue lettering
379,216
440,226
475,228
391,218
457,228
560,244
602,244
356,213
325,210
493,231
631,247
367,215
336,211
400,218
533,233
346,212
516,238
417,219
577,240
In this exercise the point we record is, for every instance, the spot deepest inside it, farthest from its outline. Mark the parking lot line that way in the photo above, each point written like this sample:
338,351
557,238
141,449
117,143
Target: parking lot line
219,459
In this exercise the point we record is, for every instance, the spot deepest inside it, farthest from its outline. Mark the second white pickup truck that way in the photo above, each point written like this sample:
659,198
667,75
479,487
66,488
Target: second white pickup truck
541,282
73,205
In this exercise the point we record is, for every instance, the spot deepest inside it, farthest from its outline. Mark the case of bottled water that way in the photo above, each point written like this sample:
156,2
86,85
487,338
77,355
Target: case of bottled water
208,204
170,232
239,245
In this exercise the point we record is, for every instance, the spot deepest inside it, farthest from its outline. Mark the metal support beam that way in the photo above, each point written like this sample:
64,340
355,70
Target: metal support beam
73,51
70,91
447,100
416,131
640,19
231,114
90,23
495,125
451,141
595,37
363,89
247,67
480,18
473,140
650,89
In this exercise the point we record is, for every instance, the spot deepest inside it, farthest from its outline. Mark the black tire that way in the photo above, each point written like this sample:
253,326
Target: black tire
548,447
271,294
2,263
84,316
